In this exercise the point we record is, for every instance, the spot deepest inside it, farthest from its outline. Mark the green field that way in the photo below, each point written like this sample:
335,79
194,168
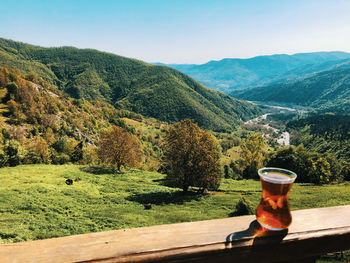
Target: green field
36,203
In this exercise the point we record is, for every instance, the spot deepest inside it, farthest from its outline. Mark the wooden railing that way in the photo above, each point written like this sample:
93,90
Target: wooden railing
238,239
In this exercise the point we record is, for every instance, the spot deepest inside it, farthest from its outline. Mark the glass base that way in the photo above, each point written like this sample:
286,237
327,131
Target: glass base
270,228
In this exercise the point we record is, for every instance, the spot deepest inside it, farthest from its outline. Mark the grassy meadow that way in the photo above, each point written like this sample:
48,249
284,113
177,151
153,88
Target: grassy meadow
36,202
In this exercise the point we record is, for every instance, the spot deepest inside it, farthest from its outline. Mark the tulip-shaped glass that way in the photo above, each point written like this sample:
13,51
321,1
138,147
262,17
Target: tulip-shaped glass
273,211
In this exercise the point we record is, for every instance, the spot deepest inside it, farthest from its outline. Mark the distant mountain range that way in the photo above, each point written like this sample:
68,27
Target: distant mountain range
153,91
326,90
229,74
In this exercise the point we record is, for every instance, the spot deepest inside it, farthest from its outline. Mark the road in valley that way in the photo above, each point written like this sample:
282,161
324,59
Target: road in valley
284,138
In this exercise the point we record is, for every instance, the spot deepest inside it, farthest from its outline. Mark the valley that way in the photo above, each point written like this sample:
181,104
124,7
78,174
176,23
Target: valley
116,115
269,127
284,137
56,105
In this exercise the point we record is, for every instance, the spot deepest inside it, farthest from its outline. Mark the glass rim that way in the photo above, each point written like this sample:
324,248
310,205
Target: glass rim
291,176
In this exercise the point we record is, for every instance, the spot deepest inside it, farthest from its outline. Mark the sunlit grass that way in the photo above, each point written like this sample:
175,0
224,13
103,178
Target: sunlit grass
36,203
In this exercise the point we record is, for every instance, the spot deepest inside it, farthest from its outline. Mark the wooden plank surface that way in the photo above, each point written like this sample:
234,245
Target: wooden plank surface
237,239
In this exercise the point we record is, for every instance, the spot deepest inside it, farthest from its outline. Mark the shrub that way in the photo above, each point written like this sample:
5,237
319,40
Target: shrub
60,145
321,173
12,89
244,207
11,152
32,157
58,158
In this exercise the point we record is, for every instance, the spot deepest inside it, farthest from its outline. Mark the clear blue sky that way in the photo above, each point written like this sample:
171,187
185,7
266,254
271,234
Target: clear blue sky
181,31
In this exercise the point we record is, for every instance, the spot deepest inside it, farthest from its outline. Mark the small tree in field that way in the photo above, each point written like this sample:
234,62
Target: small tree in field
191,156
252,155
118,147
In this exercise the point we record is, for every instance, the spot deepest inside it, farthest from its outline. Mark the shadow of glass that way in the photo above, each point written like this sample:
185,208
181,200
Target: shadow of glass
256,234
157,198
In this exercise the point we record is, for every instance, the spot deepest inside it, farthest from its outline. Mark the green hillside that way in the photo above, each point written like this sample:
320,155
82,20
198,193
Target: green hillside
330,89
43,125
153,91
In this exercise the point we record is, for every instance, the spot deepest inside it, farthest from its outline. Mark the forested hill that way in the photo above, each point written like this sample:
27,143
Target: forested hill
326,133
231,73
327,90
153,91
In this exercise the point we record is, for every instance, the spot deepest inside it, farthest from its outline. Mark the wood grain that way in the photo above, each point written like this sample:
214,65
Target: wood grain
238,239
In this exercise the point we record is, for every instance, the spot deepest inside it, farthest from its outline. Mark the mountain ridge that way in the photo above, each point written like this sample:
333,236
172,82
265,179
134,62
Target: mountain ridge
229,74
153,91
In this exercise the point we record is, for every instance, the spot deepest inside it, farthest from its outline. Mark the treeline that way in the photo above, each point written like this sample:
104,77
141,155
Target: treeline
311,167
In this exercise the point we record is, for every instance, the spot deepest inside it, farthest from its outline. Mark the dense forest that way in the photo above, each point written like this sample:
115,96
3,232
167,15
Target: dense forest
323,133
153,91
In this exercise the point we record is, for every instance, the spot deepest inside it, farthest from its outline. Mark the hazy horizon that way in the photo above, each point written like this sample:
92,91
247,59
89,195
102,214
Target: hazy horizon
181,32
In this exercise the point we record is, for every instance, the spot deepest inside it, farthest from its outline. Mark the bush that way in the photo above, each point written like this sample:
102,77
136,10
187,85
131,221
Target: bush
32,157
321,173
78,153
12,89
227,172
244,207
60,145
11,152
58,158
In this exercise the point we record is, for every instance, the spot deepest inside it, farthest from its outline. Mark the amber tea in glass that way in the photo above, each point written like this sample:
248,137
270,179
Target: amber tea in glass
273,211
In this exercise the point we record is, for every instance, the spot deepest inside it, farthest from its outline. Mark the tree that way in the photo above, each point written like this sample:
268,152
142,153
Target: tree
12,89
78,153
309,166
191,156
252,150
11,153
41,149
119,147
321,173
60,145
